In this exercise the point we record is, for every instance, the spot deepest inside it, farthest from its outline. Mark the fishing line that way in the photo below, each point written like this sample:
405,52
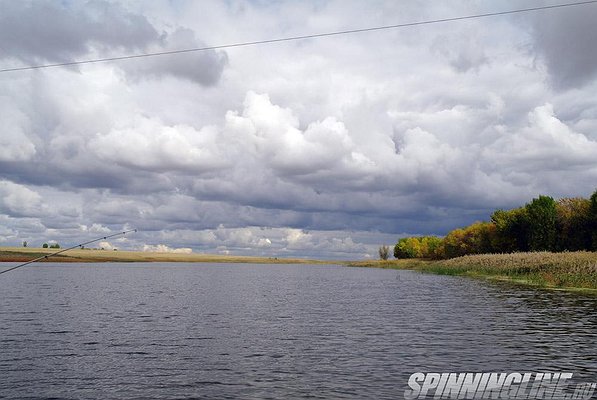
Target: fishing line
63,250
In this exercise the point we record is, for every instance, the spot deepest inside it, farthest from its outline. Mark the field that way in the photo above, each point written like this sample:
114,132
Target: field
568,270
23,254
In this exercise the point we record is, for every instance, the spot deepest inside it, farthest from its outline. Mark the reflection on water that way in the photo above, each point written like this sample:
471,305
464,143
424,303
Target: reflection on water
272,331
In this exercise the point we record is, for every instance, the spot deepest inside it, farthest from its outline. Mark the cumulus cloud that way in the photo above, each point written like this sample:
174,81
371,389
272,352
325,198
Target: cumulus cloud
18,200
15,144
544,144
105,245
162,248
289,242
271,132
322,148
148,144
7,234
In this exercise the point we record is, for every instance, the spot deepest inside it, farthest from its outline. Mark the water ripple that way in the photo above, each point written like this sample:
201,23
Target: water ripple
263,331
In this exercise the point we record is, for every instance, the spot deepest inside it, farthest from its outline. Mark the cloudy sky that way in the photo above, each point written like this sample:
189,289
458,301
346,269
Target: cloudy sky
322,148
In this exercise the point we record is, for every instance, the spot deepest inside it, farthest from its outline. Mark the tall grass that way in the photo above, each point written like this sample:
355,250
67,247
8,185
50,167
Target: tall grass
561,270
568,269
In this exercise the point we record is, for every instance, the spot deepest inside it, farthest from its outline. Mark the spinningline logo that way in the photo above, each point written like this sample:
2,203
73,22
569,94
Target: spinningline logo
497,385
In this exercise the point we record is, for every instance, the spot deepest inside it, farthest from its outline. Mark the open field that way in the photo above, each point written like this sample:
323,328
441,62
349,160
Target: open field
569,270
23,254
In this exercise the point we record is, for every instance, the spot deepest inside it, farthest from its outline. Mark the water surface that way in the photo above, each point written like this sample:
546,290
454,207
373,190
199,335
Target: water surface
182,331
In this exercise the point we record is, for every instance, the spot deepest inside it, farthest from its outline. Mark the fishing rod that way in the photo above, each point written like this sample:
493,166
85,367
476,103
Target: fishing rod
63,250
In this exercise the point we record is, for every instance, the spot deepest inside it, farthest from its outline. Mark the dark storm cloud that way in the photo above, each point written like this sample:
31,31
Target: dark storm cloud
566,40
41,172
49,31
204,67
54,31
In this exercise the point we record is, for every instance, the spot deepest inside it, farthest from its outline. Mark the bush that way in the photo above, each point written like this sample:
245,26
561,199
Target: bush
419,247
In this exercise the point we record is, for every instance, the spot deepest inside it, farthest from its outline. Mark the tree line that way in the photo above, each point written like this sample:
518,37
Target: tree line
543,224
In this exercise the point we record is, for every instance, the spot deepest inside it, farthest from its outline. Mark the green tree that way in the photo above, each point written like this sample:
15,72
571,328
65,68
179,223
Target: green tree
401,249
45,246
477,238
542,223
593,219
573,224
454,243
410,247
482,237
413,246
433,247
25,243
419,247
510,230
55,246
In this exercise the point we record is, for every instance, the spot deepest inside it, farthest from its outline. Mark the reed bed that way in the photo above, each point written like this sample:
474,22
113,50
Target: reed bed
410,263
568,269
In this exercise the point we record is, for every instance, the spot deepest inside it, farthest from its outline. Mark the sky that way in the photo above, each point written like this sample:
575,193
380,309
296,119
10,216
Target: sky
324,148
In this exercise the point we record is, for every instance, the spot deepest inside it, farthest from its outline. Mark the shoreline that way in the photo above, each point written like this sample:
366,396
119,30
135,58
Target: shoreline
570,271
21,254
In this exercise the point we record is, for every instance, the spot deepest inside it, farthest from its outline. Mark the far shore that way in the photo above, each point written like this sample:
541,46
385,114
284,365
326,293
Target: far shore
571,271
24,254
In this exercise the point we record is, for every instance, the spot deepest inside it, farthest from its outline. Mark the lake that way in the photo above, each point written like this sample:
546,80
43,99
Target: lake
183,331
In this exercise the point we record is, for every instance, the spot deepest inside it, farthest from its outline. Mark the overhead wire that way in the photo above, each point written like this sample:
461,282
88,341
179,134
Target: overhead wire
301,37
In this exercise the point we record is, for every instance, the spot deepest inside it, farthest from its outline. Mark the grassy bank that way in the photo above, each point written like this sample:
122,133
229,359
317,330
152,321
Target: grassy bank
573,270
23,254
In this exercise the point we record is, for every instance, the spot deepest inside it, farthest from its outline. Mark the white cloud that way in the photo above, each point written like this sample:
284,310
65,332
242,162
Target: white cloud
162,248
6,233
148,144
19,200
15,144
272,132
545,143
105,245
95,228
